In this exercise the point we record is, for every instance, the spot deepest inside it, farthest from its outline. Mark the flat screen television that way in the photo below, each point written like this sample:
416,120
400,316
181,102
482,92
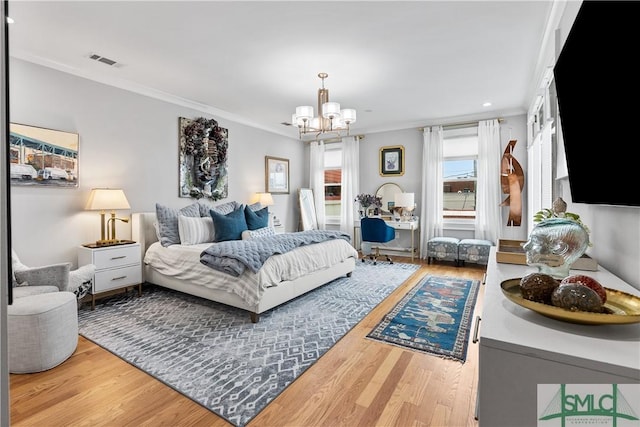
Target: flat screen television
598,90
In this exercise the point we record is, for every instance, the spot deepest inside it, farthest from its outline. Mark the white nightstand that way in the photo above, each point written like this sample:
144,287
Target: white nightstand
117,267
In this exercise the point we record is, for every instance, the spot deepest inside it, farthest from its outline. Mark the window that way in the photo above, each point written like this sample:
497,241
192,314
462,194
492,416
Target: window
460,172
332,181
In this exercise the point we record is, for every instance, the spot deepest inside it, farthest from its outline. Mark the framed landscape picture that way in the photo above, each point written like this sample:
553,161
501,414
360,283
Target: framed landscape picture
276,175
41,157
392,160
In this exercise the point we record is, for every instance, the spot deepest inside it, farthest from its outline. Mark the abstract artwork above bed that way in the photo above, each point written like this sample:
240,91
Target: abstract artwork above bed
203,159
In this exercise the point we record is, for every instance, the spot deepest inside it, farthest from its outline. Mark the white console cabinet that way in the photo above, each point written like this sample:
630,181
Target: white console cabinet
520,349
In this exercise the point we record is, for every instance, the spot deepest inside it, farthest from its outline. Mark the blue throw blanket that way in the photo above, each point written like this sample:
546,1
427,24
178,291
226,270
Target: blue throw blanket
234,256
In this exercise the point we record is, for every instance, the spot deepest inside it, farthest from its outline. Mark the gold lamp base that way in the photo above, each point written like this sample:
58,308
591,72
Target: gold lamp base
110,242
104,226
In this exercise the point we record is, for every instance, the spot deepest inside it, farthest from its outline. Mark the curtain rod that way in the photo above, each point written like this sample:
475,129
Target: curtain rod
460,124
335,139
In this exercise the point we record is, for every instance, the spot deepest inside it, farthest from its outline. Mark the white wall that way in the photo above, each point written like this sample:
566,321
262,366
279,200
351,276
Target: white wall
129,141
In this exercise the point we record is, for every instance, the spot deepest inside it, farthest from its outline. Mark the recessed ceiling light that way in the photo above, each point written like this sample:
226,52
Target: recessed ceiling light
486,104
10,20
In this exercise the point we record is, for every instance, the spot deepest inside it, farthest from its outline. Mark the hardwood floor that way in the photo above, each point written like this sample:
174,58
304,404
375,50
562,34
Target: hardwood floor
358,382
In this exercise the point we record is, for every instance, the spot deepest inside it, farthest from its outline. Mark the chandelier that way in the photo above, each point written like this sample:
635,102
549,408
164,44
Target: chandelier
331,119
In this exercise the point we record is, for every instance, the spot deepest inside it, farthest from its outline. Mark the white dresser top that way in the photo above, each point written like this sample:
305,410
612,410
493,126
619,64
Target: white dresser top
507,326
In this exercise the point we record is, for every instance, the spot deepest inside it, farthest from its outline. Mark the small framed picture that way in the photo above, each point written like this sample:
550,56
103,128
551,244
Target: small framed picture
392,160
276,175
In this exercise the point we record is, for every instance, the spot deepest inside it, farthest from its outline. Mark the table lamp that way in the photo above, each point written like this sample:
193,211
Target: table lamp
406,201
103,199
265,199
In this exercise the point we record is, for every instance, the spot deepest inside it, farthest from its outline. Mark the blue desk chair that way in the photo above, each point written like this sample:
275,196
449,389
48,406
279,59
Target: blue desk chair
375,230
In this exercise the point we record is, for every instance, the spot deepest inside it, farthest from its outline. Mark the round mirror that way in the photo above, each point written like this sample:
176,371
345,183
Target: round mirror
387,193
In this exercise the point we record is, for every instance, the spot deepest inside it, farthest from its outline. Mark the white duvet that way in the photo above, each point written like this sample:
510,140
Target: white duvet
183,262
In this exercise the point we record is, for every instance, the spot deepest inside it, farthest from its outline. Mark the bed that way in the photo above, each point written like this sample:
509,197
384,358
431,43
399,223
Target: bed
281,278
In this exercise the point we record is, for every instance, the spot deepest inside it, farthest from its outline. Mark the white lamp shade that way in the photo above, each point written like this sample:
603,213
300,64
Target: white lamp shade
330,109
314,123
348,115
102,199
404,200
304,112
265,199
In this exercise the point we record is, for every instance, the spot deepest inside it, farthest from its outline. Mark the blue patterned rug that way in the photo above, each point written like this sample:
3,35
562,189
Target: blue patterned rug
214,355
434,317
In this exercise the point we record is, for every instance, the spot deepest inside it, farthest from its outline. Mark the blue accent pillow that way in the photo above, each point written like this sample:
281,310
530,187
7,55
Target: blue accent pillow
256,219
229,226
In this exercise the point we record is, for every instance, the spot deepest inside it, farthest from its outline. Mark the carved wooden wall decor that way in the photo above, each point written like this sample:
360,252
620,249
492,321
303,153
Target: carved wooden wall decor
512,180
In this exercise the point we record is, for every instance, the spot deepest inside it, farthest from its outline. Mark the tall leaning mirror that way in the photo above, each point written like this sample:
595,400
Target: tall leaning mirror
387,193
308,218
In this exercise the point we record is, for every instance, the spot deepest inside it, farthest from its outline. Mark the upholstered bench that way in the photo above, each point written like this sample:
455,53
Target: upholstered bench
42,331
442,249
474,250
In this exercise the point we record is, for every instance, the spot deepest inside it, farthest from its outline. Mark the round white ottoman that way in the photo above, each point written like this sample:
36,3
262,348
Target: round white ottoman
42,331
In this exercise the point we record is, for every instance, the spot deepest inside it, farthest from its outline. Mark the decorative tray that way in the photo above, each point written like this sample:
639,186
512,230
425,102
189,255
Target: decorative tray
621,307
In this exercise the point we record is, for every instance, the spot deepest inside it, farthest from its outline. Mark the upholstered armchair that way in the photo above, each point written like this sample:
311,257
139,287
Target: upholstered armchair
50,278
42,320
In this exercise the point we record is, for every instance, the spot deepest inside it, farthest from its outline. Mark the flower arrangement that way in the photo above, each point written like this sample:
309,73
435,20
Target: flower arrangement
368,200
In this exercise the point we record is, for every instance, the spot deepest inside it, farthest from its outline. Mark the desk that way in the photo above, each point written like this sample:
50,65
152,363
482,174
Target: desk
408,226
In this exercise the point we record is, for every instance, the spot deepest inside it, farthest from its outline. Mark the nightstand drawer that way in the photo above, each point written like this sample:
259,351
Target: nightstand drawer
116,257
117,278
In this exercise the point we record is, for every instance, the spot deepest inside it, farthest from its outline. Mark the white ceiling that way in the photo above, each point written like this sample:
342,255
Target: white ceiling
399,64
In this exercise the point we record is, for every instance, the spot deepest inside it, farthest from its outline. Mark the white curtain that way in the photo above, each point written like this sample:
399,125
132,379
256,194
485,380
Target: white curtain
489,190
350,183
316,179
432,198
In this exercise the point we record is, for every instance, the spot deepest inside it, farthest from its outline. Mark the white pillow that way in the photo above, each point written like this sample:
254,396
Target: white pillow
260,232
194,230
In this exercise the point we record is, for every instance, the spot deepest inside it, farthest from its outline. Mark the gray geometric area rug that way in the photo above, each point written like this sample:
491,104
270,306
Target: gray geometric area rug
214,355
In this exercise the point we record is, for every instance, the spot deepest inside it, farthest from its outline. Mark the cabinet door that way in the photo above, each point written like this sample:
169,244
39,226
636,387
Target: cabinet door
508,385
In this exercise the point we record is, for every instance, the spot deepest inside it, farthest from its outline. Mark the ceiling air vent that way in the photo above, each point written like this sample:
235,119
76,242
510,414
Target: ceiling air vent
103,59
